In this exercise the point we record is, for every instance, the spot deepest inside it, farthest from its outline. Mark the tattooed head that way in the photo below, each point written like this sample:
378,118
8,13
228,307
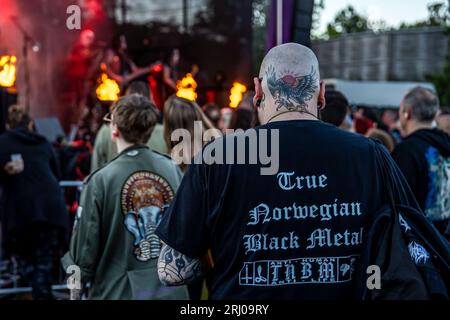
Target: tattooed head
290,78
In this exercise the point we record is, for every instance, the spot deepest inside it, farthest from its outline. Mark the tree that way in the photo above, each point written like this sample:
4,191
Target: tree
347,21
260,8
442,80
318,7
442,83
438,15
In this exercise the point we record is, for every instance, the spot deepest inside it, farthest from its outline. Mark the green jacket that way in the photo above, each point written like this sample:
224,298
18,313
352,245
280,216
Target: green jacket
113,242
105,150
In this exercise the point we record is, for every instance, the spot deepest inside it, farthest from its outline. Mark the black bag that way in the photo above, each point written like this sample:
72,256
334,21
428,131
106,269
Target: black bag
414,259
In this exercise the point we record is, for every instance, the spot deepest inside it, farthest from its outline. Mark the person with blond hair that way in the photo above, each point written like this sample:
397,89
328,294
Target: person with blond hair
382,136
183,114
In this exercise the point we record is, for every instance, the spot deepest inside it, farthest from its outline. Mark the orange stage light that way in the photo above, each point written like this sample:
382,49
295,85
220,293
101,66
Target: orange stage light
7,71
186,88
236,94
108,89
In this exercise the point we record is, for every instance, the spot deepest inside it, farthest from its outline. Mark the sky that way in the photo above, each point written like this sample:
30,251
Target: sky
392,11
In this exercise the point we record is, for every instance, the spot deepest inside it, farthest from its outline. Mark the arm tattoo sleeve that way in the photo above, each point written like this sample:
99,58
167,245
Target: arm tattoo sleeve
176,269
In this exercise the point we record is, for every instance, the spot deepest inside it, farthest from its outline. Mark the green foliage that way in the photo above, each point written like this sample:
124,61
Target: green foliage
318,7
260,8
442,80
347,21
442,83
438,16
350,21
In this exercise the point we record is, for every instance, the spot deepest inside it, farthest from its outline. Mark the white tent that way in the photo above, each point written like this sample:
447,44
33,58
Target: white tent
377,94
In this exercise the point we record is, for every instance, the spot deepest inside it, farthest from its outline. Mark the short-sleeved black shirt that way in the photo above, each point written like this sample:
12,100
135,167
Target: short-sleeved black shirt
293,235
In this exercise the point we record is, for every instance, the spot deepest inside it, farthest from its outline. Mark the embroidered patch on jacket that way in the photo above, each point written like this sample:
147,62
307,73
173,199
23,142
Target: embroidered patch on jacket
144,197
403,223
418,253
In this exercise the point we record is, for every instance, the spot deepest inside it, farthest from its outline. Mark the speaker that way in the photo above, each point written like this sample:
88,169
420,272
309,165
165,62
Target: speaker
303,22
50,128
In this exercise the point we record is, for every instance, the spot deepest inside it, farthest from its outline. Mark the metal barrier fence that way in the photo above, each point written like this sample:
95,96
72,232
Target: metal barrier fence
21,290
68,184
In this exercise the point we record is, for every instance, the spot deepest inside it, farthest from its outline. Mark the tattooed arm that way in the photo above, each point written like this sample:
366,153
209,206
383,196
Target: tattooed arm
176,269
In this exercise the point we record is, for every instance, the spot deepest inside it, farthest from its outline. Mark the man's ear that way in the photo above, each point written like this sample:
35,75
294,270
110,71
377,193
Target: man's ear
258,92
409,113
321,101
115,133
405,113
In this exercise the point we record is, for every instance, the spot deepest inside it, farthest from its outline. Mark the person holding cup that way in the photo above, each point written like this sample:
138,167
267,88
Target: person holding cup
34,217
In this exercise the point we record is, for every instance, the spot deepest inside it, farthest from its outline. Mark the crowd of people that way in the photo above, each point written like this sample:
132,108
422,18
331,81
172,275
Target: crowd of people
161,218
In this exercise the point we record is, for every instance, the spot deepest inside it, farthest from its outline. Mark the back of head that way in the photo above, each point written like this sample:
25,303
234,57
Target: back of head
212,111
17,117
335,109
180,113
242,119
135,117
225,118
389,117
362,124
383,137
290,80
139,87
247,101
423,103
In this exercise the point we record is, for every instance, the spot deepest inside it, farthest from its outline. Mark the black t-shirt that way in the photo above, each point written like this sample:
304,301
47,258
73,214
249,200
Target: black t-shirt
424,159
293,235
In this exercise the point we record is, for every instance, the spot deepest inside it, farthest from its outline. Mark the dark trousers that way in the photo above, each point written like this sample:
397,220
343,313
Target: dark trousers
36,256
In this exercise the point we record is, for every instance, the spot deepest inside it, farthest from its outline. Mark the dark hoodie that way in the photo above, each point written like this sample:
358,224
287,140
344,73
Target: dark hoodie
424,158
33,196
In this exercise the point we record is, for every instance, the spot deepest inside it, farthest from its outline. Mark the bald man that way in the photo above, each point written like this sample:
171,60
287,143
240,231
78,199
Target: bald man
289,229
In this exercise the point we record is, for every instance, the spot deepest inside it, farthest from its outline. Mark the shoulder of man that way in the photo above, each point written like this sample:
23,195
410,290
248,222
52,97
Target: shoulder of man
162,156
100,171
406,148
163,159
92,174
412,140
